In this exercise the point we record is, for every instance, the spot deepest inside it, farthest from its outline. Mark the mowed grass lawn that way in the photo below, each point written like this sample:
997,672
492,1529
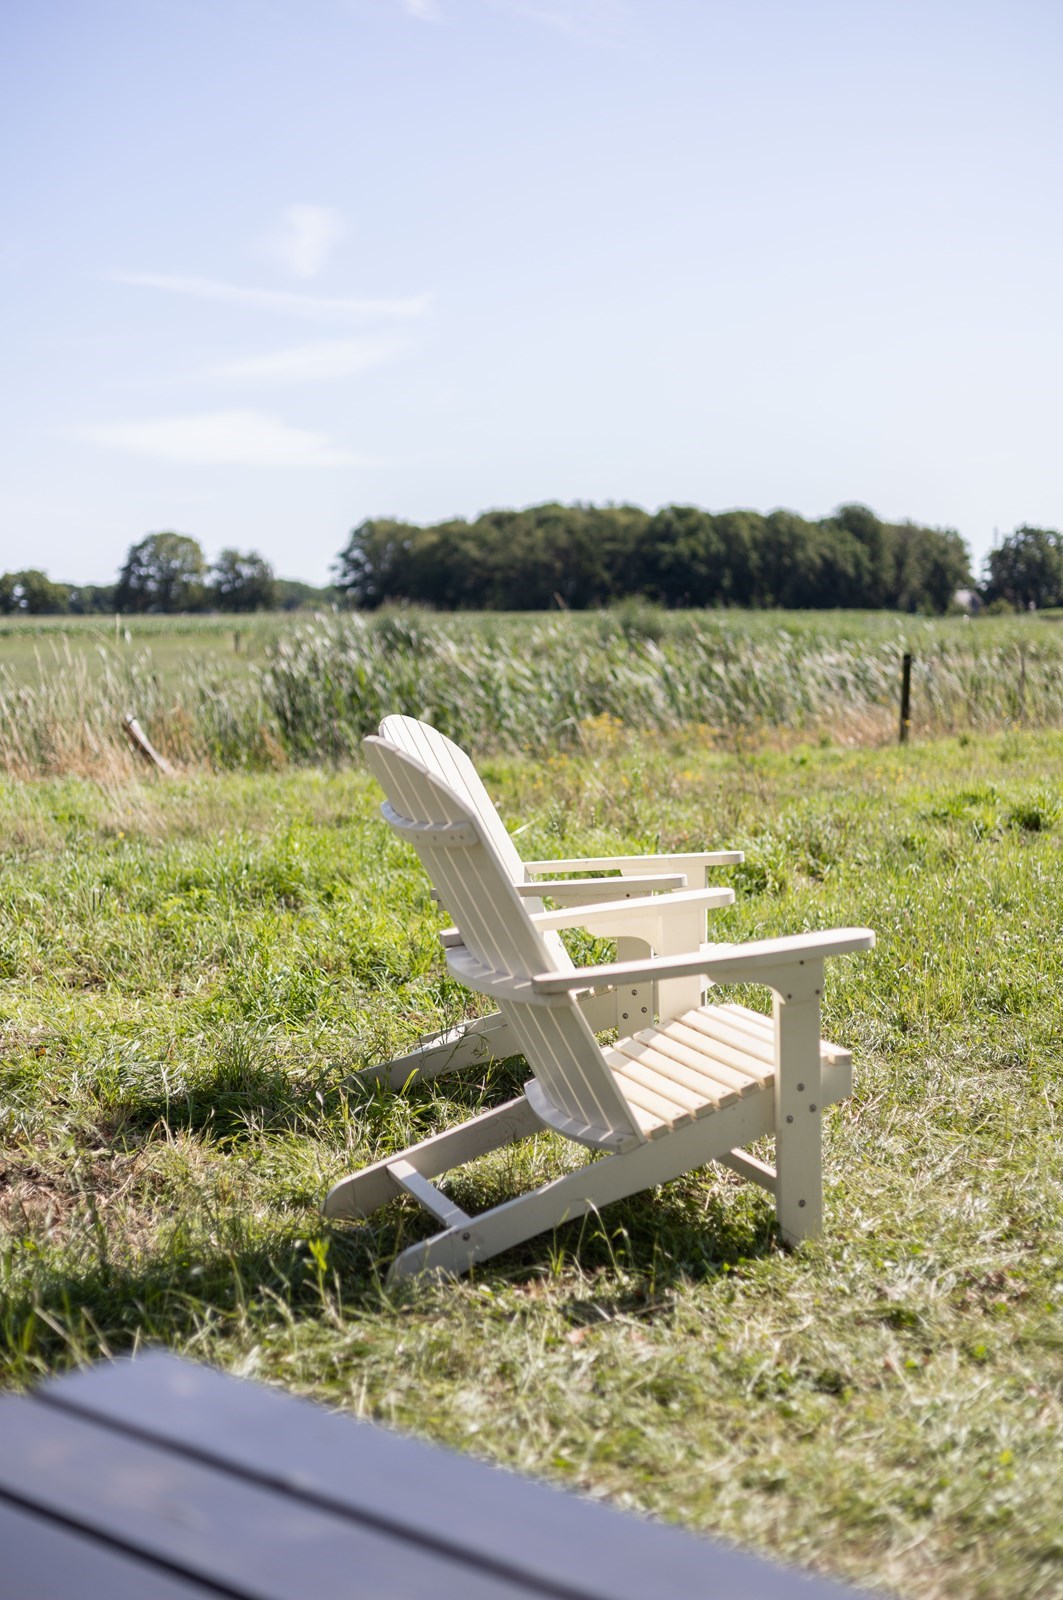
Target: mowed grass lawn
190,972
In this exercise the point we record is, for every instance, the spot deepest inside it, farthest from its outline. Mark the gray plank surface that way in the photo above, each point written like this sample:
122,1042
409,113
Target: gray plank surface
42,1560
431,1500
211,1524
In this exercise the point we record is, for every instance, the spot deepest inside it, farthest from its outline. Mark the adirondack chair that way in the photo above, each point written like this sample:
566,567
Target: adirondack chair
664,1100
611,1006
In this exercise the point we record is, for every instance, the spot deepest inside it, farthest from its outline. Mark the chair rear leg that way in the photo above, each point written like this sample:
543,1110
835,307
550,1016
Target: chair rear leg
466,1045
470,1044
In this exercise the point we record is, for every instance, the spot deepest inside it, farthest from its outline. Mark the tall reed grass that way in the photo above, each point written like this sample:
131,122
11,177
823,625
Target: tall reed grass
529,686
330,683
67,716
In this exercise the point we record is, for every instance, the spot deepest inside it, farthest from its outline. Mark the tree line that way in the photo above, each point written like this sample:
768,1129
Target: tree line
583,556
164,572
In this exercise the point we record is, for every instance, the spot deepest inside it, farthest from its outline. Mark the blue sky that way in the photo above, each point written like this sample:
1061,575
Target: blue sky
273,266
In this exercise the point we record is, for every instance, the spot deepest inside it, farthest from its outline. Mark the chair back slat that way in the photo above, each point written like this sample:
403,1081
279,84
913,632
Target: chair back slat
498,932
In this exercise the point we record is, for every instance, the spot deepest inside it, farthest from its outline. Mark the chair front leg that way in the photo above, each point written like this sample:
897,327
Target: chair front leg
799,1106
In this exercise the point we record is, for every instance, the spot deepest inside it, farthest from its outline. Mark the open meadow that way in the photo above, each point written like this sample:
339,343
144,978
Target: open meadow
192,969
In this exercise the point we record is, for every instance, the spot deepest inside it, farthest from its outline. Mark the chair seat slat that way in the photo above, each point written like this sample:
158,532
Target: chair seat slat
691,1026
666,1088
677,1072
715,1025
756,1032
833,1054
648,1099
720,1055
692,1056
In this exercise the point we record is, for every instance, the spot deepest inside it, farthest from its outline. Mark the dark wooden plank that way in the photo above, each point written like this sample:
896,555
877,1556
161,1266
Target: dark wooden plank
42,1560
250,1541
567,1545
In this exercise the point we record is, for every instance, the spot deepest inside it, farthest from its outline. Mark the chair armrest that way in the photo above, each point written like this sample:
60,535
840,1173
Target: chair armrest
573,891
723,963
613,911
677,860
578,891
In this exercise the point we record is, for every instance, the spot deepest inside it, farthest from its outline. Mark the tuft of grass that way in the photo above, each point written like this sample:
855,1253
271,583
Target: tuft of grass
191,972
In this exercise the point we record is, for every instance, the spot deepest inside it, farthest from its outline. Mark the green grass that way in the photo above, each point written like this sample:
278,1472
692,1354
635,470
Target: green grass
40,650
174,641
189,973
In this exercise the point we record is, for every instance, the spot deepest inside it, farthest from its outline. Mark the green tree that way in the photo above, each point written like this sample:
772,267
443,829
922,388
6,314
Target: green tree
164,572
242,582
86,598
32,593
681,559
1027,569
859,557
373,565
929,565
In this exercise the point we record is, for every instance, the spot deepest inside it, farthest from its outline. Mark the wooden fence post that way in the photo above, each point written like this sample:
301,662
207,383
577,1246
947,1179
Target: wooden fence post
906,695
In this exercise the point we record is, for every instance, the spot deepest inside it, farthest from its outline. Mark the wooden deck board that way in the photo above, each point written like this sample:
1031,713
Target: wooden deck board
200,1484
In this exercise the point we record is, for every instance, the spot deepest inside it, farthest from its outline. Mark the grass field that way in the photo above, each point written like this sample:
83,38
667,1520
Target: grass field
267,691
190,971
37,650
174,640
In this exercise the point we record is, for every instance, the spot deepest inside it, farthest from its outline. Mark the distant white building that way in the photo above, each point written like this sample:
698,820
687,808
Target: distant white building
968,600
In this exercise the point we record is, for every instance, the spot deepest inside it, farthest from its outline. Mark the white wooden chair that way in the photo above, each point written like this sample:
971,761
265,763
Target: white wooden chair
608,1006
663,1100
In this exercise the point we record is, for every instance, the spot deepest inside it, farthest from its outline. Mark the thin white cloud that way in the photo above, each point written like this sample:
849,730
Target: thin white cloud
559,21
310,363
306,238
300,305
222,438
577,19
423,10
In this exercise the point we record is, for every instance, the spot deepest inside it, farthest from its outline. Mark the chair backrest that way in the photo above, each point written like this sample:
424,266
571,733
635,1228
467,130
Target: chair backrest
496,929
448,762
